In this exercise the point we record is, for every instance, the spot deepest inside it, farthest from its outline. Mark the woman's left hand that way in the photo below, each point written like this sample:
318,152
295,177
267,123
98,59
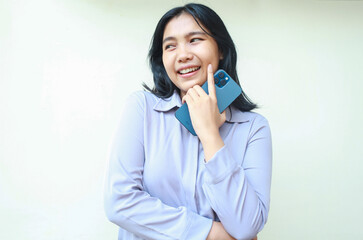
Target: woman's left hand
204,112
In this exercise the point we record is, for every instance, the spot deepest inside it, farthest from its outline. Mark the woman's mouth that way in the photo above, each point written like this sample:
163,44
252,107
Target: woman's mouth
188,70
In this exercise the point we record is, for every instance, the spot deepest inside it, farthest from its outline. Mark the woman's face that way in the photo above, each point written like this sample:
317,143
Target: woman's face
187,52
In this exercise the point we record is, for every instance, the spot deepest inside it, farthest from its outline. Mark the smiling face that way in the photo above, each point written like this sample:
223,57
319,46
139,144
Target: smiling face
187,52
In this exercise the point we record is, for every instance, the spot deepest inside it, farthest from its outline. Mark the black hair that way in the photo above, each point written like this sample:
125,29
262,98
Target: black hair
205,18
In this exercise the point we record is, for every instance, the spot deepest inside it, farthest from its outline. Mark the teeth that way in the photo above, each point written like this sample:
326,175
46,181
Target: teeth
188,70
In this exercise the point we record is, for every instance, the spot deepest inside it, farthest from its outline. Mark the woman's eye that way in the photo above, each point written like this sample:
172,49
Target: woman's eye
195,40
169,47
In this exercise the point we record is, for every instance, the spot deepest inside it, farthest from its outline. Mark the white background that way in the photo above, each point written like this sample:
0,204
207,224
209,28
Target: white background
66,67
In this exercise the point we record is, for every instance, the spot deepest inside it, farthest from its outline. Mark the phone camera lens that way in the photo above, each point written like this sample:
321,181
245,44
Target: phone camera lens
216,80
221,75
223,82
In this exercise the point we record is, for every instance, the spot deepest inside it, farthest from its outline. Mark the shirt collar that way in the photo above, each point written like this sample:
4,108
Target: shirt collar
235,115
164,105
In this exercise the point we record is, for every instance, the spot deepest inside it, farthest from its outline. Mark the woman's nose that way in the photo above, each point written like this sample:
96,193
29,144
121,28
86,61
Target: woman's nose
184,55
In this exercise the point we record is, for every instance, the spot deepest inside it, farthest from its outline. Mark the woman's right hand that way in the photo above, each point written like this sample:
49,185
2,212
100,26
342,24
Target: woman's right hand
218,232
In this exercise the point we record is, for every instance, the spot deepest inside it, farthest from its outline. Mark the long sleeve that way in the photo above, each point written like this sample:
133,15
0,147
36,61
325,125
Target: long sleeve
126,202
238,187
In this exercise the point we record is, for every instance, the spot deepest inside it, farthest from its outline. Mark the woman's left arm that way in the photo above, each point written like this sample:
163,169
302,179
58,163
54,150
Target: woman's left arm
240,194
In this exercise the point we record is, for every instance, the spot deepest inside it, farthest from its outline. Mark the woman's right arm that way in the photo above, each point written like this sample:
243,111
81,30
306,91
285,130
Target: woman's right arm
126,202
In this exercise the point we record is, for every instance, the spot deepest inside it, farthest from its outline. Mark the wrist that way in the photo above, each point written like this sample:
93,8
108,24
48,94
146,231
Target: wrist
208,135
211,145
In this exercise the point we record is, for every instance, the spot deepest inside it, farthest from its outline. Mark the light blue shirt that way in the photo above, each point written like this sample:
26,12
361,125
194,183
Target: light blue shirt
158,185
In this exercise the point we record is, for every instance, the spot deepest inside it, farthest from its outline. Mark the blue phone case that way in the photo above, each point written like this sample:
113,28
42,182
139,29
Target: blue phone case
227,90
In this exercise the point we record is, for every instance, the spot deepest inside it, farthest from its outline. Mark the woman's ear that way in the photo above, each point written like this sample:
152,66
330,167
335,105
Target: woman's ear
220,55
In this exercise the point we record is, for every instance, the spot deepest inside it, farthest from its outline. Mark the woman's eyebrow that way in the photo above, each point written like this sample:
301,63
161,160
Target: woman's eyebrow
188,35
195,33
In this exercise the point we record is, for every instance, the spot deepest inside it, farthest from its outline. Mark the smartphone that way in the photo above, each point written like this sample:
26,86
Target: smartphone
227,90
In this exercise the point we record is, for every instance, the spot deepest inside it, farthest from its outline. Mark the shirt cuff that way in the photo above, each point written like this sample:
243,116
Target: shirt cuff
222,164
199,228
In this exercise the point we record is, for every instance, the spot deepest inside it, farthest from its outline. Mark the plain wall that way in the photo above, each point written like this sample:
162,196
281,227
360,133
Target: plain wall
66,67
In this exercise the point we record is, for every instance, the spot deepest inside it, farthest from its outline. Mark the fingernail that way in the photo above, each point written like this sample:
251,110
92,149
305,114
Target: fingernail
210,67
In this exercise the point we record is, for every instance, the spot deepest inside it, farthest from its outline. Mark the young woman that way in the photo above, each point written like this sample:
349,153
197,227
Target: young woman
165,183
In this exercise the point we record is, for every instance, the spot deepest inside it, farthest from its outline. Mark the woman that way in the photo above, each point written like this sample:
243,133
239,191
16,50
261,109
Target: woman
165,183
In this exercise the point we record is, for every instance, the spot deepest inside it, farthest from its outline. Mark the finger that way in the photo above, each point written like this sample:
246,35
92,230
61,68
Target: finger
210,79
184,99
199,90
193,94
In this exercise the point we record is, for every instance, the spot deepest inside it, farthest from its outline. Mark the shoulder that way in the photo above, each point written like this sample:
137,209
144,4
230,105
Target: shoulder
254,121
257,121
254,117
258,126
142,99
142,95
238,116
154,103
